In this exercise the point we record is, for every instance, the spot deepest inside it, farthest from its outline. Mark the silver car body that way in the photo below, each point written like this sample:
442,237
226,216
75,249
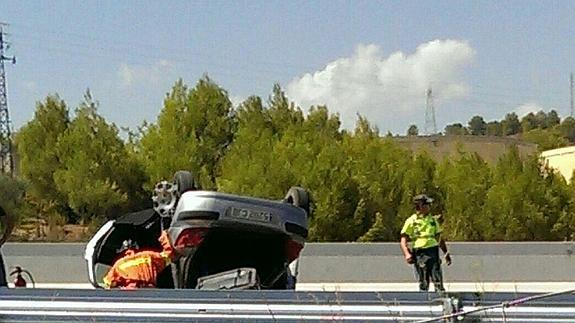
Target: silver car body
234,210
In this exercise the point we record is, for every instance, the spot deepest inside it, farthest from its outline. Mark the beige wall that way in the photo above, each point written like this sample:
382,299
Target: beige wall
561,159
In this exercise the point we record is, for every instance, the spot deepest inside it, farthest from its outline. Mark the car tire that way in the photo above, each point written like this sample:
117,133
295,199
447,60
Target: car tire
291,282
185,181
191,272
299,197
286,281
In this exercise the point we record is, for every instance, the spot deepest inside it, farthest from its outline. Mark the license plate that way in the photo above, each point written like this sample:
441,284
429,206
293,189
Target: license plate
250,215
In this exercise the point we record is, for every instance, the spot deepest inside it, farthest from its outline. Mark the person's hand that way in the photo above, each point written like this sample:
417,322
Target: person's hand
409,259
448,259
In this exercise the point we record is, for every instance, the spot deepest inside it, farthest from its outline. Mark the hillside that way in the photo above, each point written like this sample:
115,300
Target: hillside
488,147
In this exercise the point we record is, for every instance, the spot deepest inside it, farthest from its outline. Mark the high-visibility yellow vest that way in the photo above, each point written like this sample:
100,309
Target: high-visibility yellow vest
422,230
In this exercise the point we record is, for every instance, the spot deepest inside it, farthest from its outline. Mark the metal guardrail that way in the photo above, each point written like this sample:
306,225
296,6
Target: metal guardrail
286,306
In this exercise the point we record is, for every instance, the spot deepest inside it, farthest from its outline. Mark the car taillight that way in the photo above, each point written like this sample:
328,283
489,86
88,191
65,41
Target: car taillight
191,237
293,248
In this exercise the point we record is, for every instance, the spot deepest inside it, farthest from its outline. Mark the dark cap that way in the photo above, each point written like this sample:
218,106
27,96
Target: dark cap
423,199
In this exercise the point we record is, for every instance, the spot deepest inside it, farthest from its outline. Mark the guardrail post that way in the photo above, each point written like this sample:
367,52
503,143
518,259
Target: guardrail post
452,305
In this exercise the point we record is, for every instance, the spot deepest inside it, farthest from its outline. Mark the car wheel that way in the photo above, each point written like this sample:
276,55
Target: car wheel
192,268
187,277
291,282
285,282
185,181
299,197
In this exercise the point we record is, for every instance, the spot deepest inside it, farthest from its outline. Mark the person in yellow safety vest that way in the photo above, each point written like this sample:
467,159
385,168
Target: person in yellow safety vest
423,231
139,269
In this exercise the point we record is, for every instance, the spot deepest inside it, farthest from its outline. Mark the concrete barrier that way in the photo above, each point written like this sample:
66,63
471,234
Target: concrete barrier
472,262
353,264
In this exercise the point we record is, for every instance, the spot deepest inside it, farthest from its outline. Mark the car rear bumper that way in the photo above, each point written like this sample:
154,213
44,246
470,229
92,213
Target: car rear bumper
242,213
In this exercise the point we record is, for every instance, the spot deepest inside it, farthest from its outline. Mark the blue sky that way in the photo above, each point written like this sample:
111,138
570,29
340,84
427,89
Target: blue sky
375,58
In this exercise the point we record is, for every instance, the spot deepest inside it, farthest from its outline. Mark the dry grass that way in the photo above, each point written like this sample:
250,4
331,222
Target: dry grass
56,231
489,148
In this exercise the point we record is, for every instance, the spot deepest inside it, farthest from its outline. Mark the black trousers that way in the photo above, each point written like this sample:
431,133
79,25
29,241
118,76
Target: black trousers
428,267
3,281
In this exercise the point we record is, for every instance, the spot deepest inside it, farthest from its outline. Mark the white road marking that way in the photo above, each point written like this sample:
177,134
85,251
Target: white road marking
518,287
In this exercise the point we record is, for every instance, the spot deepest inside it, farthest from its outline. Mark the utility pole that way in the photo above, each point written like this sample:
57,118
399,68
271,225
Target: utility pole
430,124
6,161
572,109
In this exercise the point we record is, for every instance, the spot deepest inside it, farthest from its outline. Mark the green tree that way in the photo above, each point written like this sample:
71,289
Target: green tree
511,125
564,228
313,156
541,119
546,138
12,191
567,129
245,168
464,183
412,130
529,122
193,131
36,144
283,113
477,126
552,119
455,129
271,146
362,218
526,201
417,178
505,204
377,232
96,175
494,128
335,196
378,167
268,156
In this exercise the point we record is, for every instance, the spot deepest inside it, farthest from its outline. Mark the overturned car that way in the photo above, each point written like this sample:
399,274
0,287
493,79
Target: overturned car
225,241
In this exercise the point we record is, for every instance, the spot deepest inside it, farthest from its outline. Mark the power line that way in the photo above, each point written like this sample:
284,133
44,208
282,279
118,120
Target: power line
83,45
6,160
113,48
219,68
86,41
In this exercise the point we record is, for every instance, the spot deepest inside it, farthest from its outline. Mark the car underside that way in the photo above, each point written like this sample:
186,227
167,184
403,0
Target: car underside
214,233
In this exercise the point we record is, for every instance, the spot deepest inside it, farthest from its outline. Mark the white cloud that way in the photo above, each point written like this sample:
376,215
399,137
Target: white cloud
526,108
130,75
382,88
